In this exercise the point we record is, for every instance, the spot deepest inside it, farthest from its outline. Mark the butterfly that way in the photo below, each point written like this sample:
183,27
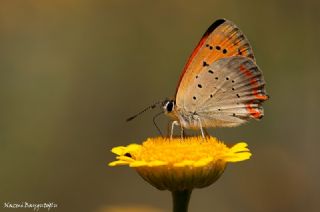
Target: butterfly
220,85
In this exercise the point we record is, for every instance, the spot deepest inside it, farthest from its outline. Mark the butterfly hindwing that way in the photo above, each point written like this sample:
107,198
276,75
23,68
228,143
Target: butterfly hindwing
222,39
226,93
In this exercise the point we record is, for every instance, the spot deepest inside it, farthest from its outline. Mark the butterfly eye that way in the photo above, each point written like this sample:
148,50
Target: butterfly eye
169,106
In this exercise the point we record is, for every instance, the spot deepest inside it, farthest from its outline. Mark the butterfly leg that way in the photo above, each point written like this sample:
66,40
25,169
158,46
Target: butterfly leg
202,133
172,127
181,132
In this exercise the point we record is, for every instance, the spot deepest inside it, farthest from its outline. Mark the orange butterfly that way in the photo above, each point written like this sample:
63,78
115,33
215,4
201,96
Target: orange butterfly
221,85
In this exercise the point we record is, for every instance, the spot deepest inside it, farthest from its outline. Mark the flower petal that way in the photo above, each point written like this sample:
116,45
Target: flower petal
119,150
138,164
125,158
239,147
133,147
122,150
203,162
118,163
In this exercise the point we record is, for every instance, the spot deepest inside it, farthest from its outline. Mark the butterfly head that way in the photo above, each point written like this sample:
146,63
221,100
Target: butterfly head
169,107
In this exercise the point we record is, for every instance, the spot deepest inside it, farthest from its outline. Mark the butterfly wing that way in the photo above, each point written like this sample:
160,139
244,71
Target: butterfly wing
222,39
226,93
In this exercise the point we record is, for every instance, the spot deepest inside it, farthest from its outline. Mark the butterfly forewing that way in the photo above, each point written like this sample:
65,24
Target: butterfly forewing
222,39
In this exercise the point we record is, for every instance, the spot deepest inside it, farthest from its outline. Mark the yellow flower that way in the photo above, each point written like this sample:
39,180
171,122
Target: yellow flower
180,164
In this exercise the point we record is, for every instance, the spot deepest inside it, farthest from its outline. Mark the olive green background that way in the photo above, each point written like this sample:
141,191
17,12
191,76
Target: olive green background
73,71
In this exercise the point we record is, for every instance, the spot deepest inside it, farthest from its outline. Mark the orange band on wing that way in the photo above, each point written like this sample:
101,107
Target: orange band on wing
253,83
204,38
195,51
255,113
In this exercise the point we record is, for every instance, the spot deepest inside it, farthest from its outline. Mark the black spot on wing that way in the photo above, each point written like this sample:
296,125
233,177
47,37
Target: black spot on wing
208,46
205,64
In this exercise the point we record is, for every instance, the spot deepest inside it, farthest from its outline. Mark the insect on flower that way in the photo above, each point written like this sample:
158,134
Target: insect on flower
220,85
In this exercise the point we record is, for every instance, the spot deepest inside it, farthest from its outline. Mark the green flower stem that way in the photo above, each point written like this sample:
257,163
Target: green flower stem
181,200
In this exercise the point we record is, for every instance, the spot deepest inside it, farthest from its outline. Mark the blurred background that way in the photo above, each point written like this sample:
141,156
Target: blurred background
72,71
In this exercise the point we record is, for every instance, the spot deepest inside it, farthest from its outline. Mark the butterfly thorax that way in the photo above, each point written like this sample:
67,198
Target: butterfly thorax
184,118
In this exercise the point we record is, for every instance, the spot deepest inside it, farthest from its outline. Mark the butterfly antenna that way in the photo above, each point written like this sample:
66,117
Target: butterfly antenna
144,110
155,124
